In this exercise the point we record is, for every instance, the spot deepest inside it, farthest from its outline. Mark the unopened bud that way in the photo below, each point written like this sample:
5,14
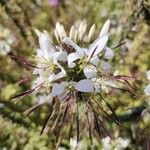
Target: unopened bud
56,36
72,33
105,28
91,32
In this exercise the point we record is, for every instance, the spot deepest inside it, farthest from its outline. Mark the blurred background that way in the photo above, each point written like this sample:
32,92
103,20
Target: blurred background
130,22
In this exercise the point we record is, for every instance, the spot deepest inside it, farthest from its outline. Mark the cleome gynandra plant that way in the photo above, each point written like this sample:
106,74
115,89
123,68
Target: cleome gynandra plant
72,77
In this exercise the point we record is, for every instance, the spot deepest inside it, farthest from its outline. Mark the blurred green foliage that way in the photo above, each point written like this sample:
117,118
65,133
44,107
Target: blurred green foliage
130,23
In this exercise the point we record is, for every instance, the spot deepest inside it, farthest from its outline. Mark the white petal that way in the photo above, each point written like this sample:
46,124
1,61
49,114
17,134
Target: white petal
59,56
61,74
71,58
62,56
148,75
81,51
51,78
84,86
90,71
86,51
45,45
147,90
105,28
109,53
57,89
98,46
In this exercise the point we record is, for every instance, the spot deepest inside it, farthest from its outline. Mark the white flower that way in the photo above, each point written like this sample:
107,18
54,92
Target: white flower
57,64
72,69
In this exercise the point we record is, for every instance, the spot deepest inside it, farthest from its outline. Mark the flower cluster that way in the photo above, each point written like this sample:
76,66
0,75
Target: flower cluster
71,73
67,67
147,88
